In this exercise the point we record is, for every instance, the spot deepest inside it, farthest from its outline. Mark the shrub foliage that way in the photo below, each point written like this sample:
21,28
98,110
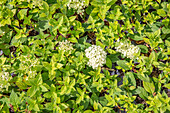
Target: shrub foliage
91,56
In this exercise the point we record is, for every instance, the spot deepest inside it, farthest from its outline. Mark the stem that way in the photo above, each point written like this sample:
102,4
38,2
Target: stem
108,69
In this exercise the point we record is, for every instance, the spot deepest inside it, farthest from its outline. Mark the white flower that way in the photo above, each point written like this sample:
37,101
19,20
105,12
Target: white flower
127,49
26,78
96,55
4,78
77,5
66,46
28,63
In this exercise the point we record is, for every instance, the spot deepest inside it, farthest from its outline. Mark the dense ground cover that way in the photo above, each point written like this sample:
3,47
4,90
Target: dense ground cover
91,56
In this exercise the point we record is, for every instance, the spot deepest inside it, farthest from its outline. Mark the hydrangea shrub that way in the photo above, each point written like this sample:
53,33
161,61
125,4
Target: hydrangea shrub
84,56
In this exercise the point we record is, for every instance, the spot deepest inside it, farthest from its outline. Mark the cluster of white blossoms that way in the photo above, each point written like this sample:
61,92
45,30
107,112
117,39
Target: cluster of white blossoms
127,49
4,78
37,3
27,65
66,46
77,5
96,55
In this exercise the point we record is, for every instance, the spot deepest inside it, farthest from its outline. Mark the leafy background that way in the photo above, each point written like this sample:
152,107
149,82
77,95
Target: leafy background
44,79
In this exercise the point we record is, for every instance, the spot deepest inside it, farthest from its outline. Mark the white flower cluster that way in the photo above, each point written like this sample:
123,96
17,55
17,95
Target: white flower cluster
27,65
37,3
96,55
4,78
127,49
77,5
66,46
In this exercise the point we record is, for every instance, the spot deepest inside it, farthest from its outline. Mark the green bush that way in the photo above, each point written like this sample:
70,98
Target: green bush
92,56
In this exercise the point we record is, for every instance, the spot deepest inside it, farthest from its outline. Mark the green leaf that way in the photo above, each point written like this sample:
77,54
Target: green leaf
2,60
72,18
49,106
161,12
5,109
113,57
149,87
43,88
165,22
100,44
60,21
47,65
59,65
36,108
109,63
4,46
131,78
31,91
22,13
21,84
111,101
43,25
58,100
143,48
45,6
123,64
154,27
16,23
143,77
89,9
6,51
132,87
14,99
146,40
165,30
39,79
72,83
95,105
72,39
88,111
63,90
152,56
137,37
111,2
142,93
25,48
3,1
159,1
31,103
47,95
167,85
